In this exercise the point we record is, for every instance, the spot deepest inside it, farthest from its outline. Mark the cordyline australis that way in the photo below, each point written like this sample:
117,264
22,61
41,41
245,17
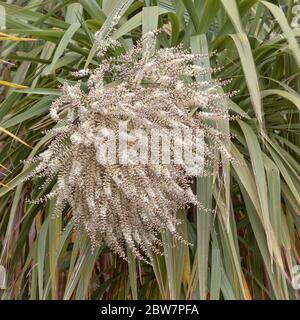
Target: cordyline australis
130,205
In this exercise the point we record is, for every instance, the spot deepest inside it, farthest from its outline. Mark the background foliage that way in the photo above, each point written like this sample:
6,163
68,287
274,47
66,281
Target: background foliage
247,249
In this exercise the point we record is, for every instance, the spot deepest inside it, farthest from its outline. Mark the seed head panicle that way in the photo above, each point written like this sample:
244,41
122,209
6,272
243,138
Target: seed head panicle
123,204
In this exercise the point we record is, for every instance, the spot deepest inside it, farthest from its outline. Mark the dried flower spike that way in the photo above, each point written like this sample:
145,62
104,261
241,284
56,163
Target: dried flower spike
129,205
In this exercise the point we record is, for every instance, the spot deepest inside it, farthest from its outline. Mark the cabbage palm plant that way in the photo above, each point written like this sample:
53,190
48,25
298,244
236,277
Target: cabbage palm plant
249,247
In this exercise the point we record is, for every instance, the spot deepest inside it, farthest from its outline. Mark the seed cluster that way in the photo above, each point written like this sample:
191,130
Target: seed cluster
130,205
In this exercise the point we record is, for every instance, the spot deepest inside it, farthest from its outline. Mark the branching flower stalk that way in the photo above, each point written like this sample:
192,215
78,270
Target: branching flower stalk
130,205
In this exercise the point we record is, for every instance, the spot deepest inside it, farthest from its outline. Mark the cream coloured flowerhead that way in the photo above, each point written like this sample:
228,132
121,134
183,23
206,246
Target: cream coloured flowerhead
127,144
